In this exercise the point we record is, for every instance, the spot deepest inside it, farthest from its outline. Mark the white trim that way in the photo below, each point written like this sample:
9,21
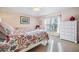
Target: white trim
50,45
60,47
32,46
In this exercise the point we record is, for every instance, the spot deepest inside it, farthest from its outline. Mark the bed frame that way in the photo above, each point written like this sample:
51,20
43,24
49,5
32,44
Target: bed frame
44,43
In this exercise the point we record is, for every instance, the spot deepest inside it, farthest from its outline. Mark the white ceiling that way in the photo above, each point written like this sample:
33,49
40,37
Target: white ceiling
29,11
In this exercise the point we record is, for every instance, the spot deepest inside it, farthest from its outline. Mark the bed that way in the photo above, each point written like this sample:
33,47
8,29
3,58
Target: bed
20,41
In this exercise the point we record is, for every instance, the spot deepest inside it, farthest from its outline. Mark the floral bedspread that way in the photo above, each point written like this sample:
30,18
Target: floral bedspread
23,40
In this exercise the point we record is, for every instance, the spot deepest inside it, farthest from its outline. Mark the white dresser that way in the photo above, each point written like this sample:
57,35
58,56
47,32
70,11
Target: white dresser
69,30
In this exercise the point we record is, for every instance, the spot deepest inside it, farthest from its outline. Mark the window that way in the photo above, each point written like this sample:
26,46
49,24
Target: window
52,23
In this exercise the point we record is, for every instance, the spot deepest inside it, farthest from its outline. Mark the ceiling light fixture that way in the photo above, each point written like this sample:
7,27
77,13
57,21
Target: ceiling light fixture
36,9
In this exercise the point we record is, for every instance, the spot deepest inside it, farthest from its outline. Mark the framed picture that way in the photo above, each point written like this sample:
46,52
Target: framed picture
24,20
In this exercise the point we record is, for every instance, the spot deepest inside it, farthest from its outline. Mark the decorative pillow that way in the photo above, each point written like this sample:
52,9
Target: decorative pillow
1,28
7,29
2,37
1,40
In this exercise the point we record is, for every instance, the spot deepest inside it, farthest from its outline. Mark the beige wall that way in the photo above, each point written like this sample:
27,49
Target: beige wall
65,14
70,12
14,20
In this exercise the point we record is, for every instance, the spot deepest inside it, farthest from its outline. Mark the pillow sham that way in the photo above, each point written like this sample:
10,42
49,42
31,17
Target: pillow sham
7,29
